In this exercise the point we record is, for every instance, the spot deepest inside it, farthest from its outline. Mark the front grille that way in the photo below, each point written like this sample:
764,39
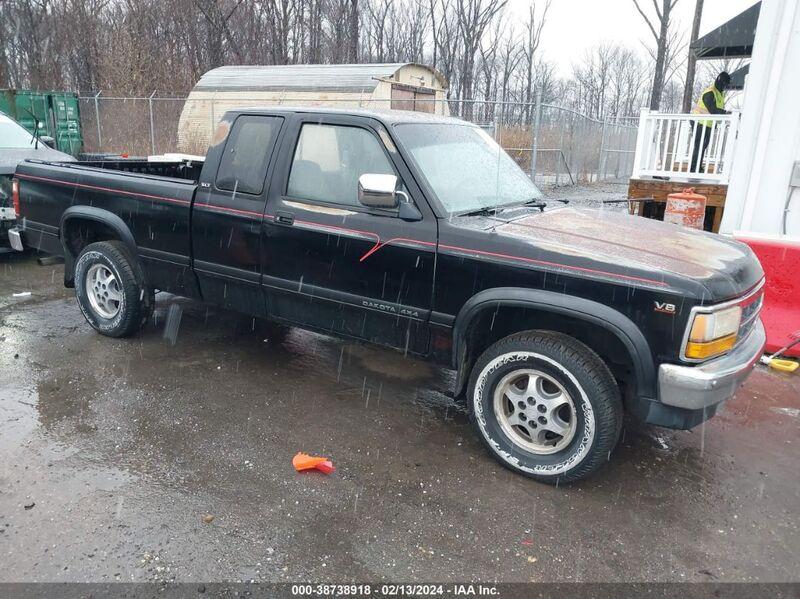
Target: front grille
751,308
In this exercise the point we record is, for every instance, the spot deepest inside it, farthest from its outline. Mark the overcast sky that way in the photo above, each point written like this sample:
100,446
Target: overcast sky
574,25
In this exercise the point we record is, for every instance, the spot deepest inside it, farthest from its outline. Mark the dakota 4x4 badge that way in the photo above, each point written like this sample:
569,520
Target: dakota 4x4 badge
394,309
665,308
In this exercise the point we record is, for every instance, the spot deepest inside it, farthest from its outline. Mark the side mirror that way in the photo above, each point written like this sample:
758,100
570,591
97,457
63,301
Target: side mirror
377,191
48,141
380,191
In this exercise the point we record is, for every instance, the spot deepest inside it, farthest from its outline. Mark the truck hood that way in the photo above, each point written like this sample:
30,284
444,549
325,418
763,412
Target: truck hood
11,157
723,267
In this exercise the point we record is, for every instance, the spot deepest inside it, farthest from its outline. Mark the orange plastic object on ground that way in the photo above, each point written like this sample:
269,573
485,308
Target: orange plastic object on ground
303,461
686,208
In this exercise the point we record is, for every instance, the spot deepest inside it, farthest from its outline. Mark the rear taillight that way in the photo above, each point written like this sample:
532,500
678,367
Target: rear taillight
15,196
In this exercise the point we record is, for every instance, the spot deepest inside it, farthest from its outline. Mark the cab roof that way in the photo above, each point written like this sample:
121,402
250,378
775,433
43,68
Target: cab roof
387,117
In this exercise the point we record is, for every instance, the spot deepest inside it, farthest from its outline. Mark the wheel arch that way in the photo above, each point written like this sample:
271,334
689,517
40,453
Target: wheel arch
545,303
104,224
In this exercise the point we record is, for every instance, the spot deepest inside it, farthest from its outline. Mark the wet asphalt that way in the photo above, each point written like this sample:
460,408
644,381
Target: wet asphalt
167,456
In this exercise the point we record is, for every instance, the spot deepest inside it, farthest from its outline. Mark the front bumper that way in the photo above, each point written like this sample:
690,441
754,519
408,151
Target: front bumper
700,387
15,239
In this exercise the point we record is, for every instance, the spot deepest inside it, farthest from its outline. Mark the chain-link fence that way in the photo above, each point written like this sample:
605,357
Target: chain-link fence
557,145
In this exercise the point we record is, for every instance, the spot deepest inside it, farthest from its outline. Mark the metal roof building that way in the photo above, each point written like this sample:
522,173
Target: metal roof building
398,86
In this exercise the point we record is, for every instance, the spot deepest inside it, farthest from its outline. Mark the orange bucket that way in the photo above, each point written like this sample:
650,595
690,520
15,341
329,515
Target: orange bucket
686,208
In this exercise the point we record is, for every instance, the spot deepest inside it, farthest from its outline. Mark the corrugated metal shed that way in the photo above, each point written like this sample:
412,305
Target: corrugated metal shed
395,86
359,78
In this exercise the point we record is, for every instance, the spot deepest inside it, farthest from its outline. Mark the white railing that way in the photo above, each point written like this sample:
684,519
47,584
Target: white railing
670,146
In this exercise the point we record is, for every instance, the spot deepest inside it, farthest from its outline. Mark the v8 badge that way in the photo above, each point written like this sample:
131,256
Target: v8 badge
665,308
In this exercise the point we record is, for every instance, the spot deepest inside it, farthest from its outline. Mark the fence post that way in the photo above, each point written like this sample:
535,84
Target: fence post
213,123
497,116
561,149
602,149
640,142
152,128
730,144
537,116
97,120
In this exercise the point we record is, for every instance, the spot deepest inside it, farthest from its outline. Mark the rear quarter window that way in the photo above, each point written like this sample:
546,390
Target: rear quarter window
243,167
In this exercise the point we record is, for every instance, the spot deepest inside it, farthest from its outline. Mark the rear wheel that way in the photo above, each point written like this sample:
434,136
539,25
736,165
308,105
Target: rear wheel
546,406
110,289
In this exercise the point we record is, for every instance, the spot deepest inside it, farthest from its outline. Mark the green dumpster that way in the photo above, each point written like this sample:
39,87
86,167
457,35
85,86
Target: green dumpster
57,111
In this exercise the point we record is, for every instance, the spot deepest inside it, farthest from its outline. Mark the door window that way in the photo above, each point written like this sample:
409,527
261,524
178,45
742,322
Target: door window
329,159
243,167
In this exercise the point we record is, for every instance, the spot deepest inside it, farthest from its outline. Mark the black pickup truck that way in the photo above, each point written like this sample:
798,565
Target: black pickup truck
418,233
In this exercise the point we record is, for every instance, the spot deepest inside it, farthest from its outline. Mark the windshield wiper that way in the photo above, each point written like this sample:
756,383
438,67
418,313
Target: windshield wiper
535,204
531,203
485,211
492,210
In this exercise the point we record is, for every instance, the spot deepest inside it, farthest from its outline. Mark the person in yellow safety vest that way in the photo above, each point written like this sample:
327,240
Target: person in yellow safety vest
712,101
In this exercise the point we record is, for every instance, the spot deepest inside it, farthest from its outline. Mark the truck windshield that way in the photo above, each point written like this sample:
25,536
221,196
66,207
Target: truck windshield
465,167
13,135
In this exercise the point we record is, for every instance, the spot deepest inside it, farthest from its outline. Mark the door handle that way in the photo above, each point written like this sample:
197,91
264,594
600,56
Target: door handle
284,218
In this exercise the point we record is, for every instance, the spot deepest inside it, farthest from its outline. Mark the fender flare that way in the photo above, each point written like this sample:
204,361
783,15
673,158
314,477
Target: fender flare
92,213
596,313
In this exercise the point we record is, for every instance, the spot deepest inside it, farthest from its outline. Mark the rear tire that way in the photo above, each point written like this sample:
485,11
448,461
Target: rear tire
110,289
546,406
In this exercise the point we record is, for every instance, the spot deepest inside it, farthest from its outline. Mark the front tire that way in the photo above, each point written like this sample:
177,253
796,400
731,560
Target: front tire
110,289
546,406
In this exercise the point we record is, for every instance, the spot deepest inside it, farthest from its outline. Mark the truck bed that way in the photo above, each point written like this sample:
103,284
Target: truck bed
174,170
152,200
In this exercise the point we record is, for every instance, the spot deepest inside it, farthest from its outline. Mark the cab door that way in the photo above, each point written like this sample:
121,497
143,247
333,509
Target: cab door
228,212
332,264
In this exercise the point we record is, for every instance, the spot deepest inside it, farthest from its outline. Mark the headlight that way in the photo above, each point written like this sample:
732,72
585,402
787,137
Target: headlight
713,333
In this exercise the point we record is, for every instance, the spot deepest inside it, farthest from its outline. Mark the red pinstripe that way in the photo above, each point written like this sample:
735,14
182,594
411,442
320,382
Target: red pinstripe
143,195
378,244
336,228
108,189
226,209
554,264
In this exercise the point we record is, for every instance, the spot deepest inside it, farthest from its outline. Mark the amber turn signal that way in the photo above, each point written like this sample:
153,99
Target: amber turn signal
700,351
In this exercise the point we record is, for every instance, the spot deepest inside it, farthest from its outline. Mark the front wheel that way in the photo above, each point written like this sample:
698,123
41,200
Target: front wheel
110,289
546,406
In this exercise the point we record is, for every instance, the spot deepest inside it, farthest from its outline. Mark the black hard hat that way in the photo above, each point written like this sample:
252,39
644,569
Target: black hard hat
724,78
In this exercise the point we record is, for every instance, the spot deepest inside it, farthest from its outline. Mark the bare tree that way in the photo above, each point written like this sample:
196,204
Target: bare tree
133,47
32,59
659,28
280,18
607,82
447,43
218,14
5,32
594,76
510,56
533,38
473,18
376,29
353,18
688,88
